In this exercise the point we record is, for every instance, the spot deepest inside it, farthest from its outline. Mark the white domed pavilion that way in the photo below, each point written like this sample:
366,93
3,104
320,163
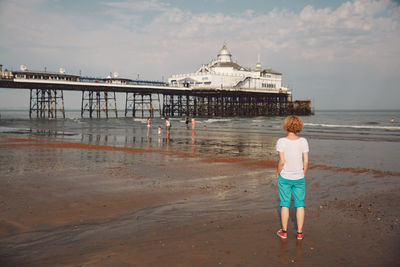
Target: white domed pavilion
224,74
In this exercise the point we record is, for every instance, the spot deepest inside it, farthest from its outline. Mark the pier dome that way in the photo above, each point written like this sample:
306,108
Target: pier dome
224,55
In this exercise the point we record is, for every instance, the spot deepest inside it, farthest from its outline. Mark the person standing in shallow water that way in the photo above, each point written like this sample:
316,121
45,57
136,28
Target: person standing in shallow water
148,122
187,122
291,172
167,124
193,123
148,126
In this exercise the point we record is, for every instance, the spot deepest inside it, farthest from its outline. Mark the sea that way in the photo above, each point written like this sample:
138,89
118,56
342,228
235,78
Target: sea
368,139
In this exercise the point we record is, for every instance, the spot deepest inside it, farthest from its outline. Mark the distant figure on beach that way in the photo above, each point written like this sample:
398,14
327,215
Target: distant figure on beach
148,122
167,124
187,122
193,123
148,126
392,120
291,172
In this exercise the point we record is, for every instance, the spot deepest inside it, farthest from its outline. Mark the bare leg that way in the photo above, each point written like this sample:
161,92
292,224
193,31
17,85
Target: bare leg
300,212
284,217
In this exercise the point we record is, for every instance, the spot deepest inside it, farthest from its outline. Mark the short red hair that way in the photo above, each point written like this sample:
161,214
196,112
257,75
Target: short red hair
293,124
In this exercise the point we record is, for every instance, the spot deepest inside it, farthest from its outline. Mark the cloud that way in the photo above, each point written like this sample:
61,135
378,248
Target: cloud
135,6
311,34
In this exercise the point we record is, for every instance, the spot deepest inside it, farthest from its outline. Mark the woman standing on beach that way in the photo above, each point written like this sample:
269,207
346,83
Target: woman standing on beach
193,123
167,124
148,122
187,122
291,172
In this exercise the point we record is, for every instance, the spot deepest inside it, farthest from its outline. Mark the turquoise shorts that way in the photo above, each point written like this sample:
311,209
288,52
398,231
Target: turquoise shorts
287,187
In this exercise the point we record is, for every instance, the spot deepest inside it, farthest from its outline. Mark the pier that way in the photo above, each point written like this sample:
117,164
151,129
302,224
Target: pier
98,100
182,96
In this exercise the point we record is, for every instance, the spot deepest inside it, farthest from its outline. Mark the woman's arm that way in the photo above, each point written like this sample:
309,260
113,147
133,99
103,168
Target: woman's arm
281,162
305,163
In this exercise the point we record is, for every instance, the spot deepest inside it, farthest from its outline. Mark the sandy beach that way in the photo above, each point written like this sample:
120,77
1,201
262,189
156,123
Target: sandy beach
146,133
76,204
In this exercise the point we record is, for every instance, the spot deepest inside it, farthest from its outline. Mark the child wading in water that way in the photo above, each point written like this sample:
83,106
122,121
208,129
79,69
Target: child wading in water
291,173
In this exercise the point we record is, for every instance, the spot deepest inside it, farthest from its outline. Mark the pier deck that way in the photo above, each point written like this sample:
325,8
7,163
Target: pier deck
142,97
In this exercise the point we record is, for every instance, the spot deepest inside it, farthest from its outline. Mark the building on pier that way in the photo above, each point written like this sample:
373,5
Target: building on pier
24,73
223,73
115,79
5,74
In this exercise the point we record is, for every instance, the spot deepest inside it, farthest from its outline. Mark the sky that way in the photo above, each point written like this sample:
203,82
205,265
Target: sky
339,54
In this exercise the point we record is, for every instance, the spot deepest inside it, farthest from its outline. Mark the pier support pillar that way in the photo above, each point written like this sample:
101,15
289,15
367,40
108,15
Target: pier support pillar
46,103
98,102
146,104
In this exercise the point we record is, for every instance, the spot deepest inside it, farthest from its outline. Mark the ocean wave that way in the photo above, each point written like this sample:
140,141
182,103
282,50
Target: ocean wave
216,120
354,126
140,120
4,129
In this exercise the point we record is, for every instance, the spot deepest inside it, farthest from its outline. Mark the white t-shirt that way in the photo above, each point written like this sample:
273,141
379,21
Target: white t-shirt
293,155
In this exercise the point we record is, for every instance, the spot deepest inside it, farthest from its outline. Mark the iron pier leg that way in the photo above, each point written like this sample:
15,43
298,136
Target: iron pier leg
143,106
30,105
126,103
83,96
106,100
134,105
62,101
115,106
55,103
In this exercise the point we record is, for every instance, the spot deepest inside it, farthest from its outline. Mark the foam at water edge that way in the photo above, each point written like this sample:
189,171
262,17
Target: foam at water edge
216,120
4,129
354,126
140,120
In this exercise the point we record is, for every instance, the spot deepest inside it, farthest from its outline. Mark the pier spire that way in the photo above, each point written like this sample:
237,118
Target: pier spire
258,65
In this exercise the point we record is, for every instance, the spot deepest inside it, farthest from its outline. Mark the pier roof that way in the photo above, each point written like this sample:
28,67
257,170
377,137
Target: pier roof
46,73
271,71
229,64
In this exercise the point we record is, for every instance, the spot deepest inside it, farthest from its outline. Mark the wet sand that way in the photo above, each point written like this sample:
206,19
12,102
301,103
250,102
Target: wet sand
69,203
